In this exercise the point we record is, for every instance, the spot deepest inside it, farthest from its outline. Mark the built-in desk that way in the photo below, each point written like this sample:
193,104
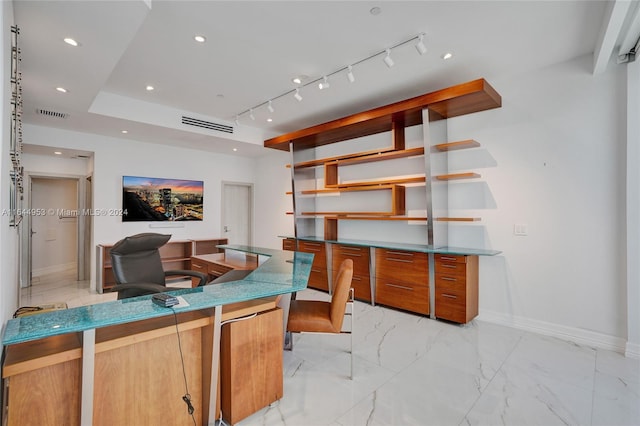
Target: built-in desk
119,362
218,264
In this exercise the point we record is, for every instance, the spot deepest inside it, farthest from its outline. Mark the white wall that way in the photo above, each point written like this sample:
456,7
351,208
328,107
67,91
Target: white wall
114,158
273,180
559,146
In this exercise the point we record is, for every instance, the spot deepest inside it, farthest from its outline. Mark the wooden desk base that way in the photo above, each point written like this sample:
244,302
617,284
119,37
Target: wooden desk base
138,375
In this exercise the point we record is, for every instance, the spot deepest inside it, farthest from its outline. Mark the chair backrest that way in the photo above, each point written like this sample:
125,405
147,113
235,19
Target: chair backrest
341,294
136,259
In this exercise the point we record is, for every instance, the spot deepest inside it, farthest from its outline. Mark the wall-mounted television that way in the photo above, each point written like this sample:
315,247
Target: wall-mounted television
156,199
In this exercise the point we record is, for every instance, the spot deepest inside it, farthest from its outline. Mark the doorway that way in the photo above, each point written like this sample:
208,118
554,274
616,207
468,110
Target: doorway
56,236
237,212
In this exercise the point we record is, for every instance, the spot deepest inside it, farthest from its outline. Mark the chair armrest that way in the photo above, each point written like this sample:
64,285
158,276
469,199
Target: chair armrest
195,274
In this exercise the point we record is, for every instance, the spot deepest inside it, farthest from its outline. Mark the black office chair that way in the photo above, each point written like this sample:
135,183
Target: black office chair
137,267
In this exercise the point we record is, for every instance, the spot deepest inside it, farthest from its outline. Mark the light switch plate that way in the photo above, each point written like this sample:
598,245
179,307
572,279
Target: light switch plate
520,229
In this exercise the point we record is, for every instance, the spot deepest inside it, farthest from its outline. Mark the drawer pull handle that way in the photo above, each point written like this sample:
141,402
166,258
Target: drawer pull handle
444,265
311,244
447,258
311,249
448,279
391,259
399,253
450,296
399,286
197,266
352,254
356,278
351,248
316,270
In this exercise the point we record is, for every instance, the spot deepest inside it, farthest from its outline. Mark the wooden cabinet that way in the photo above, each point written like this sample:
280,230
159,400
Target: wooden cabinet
360,283
456,287
318,277
251,372
174,255
289,244
402,280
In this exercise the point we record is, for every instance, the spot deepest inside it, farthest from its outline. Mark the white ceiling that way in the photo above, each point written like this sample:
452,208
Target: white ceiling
253,49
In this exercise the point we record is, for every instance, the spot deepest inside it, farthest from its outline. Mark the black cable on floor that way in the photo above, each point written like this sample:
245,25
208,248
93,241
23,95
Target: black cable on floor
187,397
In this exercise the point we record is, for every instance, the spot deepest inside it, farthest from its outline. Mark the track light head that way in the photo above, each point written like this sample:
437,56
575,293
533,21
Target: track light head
324,84
420,47
297,95
387,59
251,116
350,75
270,107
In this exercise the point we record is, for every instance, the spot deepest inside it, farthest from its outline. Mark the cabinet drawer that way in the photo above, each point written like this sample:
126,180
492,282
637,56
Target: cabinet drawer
451,311
414,298
318,250
289,244
361,287
359,255
451,258
452,283
405,266
318,279
217,270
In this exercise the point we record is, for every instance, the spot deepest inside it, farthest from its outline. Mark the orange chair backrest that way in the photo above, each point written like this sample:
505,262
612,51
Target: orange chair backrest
341,294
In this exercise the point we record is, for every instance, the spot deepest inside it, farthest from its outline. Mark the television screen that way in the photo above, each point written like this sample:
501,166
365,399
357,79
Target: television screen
156,199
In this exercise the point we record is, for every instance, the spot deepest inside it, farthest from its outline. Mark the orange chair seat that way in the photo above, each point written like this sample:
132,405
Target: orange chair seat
310,315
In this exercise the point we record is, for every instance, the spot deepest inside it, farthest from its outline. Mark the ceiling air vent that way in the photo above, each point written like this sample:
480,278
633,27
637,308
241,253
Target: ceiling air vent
206,124
50,113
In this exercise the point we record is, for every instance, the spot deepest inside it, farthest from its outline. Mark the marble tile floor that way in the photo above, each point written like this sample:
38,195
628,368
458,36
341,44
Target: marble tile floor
411,370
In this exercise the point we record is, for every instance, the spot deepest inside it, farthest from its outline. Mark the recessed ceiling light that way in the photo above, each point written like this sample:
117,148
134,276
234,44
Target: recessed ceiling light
57,153
235,149
61,89
447,55
220,96
375,11
200,38
71,42
125,131
269,119
149,88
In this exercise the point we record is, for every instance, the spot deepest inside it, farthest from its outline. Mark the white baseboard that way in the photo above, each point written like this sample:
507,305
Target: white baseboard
633,350
572,334
53,269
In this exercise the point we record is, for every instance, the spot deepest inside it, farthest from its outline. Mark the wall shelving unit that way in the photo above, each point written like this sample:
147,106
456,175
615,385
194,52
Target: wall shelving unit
331,189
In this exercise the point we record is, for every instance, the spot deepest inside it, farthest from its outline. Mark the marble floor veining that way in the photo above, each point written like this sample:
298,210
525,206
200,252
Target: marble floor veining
412,370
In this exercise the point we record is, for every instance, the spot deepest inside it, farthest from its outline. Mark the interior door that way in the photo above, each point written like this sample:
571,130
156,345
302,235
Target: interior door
237,212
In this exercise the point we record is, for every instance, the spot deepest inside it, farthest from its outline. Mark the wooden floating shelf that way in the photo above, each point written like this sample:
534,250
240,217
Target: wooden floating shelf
399,181
457,176
458,219
354,216
465,98
371,158
349,189
321,161
452,146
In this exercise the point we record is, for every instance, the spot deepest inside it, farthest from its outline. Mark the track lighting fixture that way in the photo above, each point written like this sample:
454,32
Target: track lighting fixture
350,75
237,120
387,59
420,47
324,84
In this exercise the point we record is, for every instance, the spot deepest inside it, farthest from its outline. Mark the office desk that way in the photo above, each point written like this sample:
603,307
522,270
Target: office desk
218,264
70,360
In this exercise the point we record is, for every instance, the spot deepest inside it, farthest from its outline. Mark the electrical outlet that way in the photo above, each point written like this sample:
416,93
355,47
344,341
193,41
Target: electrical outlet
521,229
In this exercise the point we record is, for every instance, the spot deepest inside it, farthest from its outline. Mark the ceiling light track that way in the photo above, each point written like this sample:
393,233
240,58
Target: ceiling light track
322,83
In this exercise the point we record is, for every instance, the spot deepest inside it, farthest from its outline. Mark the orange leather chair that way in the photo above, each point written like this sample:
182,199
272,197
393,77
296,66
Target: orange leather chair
315,316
